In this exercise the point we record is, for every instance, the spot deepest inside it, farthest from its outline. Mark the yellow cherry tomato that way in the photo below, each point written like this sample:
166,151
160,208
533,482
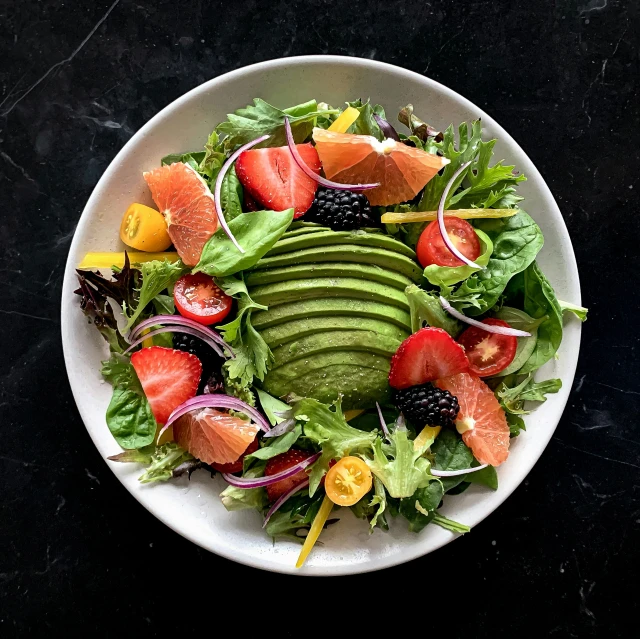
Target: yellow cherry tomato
348,481
345,120
145,229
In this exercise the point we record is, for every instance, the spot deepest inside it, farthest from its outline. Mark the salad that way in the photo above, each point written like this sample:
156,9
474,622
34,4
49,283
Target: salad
329,313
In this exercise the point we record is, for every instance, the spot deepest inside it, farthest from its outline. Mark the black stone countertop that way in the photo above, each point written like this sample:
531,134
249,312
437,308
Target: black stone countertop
78,555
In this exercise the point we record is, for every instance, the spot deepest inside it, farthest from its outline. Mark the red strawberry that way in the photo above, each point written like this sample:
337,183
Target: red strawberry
272,177
236,466
282,462
429,354
168,378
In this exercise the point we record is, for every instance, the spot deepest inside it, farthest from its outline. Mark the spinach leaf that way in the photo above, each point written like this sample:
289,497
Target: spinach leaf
426,309
231,194
366,124
164,304
516,242
579,311
192,159
526,345
271,406
256,232
451,453
516,424
419,509
277,445
485,477
263,119
130,419
540,302
444,276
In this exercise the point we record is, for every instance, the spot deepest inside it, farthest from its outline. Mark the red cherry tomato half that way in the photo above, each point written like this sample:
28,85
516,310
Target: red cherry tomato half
488,353
431,248
198,298
236,466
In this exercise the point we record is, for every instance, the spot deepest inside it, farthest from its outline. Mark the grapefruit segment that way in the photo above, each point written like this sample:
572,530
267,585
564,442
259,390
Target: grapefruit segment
400,170
481,419
214,437
186,202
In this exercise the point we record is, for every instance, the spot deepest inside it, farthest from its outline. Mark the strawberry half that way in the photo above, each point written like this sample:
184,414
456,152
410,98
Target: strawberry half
168,377
282,462
429,354
272,177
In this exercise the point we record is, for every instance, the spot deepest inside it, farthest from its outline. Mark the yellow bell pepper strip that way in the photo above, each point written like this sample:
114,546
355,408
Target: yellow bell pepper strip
147,342
427,434
107,260
144,229
352,414
430,216
316,529
345,120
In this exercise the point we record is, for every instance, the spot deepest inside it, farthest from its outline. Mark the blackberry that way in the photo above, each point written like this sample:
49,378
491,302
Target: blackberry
341,210
426,405
211,362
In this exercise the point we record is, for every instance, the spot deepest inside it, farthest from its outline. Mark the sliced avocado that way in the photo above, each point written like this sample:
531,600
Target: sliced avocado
297,329
332,341
330,307
329,269
322,287
303,230
327,238
346,253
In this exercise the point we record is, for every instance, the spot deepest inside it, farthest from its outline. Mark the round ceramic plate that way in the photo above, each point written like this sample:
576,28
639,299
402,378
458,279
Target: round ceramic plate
192,508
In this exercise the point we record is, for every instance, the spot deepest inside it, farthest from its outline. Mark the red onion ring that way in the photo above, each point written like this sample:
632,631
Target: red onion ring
387,130
443,229
177,329
223,171
261,482
181,321
385,430
282,499
215,400
454,473
500,330
314,176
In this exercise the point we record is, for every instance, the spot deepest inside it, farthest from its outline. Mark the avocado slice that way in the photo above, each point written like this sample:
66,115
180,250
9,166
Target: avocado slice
303,230
328,238
330,307
345,253
329,269
297,329
335,341
322,287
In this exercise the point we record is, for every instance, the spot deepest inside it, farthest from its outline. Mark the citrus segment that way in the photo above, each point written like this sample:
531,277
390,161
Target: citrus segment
214,437
186,202
481,419
400,170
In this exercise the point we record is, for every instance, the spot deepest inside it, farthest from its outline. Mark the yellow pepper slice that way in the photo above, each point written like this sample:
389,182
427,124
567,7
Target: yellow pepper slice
345,120
427,434
316,529
430,216
145,229
352,414
107,260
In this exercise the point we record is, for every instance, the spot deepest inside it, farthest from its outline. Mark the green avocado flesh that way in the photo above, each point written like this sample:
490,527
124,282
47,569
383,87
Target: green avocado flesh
297,329
337,312
335,341
307,309
329,269
321,287
350,253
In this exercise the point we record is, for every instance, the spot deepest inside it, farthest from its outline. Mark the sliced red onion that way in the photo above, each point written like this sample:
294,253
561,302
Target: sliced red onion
261,482
282,499
215,400
178,320
177,329
443,230
282,428
313,175
387,130
401,424
223,171
385,430
500,330
455,473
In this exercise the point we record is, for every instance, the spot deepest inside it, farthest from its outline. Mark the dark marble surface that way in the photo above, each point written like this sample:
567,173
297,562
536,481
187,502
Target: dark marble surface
78,555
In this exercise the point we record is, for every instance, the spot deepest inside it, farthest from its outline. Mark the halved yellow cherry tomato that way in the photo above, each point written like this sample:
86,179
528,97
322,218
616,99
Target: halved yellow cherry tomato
345,120
145,229
348,481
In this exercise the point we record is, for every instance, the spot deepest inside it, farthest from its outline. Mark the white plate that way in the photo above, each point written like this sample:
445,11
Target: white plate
193,508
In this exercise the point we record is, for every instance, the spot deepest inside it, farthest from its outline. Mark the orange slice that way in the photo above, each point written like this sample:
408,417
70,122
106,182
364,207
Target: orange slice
214,437
400,170
481,419
186,202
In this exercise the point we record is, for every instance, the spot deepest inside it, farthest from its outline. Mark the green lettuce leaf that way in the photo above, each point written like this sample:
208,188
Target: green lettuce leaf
526,345
579,311
449,524
165,460
426,309
246,498
420,508
231,194
256,232
192,159
213,157
366,124
276,445
271,406
512,398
